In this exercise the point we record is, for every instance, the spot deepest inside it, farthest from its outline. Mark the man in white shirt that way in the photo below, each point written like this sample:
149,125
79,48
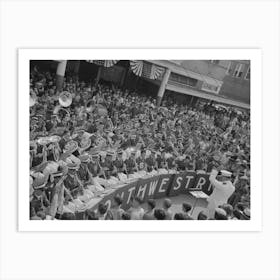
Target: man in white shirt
223,189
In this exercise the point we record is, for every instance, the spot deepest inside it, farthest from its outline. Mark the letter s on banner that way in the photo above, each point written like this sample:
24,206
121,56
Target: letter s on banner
188,181
177,183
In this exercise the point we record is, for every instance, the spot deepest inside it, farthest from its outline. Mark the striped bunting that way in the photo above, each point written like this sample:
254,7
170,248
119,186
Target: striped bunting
136,67
145,69
156,72
105,63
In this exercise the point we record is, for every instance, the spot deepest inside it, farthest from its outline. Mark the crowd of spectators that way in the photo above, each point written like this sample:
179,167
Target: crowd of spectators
159,211
108,135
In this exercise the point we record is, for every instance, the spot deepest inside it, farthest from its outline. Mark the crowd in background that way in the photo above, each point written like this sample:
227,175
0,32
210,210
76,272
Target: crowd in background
109,136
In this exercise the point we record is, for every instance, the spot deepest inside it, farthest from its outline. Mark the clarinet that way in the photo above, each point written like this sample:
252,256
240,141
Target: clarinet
102,170
136,165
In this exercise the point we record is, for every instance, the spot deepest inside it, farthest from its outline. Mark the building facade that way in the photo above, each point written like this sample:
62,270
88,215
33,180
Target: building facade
221,81
236,83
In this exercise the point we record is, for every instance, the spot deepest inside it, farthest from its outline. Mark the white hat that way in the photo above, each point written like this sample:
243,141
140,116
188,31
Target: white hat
247,212
226,173
48,217
221,211
244,177
181,157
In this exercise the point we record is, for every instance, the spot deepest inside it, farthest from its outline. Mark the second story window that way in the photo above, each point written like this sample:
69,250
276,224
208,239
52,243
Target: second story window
248,74
239,69
229,68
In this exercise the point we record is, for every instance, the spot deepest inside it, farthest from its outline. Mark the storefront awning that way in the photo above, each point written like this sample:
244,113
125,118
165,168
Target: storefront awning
214,97
178,69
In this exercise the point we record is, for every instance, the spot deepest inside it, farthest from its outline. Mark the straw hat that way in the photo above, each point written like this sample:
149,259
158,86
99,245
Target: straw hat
71,146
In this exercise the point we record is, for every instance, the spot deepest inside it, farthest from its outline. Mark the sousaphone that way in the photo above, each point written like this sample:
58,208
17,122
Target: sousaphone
32,101
32,98
62,113
65,99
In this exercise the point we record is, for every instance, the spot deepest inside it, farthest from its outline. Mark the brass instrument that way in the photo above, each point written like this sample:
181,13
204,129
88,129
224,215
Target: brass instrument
65,99
32,98
90,106
32,101
33,146
136,165
60,113
102,170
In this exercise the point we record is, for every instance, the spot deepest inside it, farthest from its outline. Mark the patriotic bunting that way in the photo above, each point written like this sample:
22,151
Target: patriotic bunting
145,69
156,72
136,67
105,63
140,68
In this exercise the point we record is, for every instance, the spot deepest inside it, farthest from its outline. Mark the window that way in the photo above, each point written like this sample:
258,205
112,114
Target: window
210,88
239,69
248,74
229,68
183,80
